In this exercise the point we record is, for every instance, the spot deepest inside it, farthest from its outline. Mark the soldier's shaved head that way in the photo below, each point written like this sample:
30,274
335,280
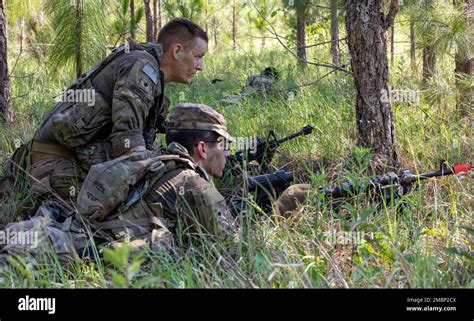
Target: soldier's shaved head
182,31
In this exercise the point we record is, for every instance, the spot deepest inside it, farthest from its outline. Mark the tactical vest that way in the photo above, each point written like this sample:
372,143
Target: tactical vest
112,194
153,49
76,126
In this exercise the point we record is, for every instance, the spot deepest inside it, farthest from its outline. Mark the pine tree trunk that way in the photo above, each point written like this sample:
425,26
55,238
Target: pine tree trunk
234,26
132,19
464,64
366,33
336,60
413,47
429,55
150,37
392,45
301,36
207,18
215,33
155,12
157,20
429,62
79,30
6,107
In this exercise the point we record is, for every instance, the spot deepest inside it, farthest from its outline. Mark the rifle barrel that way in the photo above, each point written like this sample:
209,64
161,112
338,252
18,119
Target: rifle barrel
304,131
456,169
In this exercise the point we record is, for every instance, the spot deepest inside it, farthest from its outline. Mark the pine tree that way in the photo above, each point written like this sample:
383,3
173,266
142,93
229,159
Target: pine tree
301,8
6,107
79,32
366,27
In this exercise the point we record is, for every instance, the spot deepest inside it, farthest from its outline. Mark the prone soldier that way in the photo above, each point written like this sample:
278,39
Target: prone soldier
175,194
262,84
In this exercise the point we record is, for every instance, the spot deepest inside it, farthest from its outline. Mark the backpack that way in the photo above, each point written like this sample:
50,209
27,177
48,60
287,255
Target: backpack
108,185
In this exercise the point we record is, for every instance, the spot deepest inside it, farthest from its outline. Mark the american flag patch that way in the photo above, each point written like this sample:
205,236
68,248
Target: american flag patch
151,72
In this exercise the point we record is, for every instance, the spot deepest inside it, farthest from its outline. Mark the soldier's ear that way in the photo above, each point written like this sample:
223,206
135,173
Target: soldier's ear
178,51
201,150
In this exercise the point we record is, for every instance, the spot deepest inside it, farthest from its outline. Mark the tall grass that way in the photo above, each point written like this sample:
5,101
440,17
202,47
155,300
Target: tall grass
423,240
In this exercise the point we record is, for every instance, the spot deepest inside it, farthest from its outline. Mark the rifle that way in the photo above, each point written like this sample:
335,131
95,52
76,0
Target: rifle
264,151
270,186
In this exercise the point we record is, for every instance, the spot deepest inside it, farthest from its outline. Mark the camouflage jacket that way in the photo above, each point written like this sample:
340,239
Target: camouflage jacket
125,96
189,200
153,199
255,85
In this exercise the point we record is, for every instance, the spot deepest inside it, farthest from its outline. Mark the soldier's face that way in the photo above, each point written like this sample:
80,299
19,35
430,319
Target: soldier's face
191,61
215,162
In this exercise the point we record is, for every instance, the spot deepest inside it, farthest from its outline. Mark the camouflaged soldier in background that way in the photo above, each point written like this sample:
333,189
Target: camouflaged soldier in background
152,200
263,84
125,113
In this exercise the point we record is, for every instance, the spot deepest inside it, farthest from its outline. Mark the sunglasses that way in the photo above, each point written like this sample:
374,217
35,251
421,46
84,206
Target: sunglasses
227,144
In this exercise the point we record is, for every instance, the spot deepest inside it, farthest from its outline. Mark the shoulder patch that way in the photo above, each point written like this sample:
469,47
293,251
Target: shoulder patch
151,72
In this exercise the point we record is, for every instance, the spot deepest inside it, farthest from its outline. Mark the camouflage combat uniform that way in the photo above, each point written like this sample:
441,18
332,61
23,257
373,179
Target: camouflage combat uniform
52,231
149,201
188,193
263,84
128,89
173,194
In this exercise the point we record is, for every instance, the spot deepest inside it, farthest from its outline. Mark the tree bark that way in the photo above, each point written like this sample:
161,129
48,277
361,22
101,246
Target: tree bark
234,26
6,107
366,34
155,13
464,63
301,36
79,30
157,20
413,47
336,60
392,45
429,62
150,37
215,32
206,15
132,19
429,55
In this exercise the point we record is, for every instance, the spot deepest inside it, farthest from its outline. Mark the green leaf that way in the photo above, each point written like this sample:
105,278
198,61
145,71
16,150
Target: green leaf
117,256
118,280
134,268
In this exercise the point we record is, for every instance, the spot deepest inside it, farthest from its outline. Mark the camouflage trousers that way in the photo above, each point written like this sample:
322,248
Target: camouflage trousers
52,233
61,175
